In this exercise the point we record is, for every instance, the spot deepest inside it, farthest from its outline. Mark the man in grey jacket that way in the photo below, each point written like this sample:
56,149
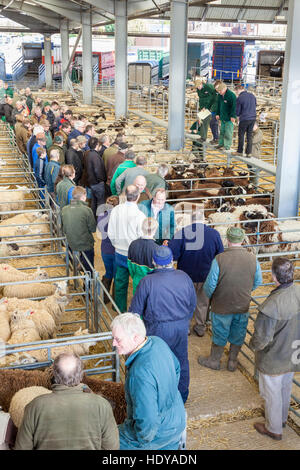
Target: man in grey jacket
276,342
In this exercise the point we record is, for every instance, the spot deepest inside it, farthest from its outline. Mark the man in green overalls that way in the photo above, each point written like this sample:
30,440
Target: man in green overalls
207,100
226,113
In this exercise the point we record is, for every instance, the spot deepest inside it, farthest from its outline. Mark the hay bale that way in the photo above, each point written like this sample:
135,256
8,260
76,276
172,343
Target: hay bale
21,399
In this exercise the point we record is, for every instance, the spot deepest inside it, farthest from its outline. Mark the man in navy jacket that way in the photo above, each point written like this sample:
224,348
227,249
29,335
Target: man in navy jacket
246,112
166,299
194,247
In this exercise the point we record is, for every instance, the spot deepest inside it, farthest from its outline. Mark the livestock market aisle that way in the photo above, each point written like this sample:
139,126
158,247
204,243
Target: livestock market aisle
223,406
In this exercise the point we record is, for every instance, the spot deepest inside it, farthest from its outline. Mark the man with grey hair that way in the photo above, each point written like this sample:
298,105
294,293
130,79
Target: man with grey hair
69,418
124,226
104,142
157,180
73,158
140,252
51,172
129,175
79,127
155,412
140,182
166,300
163,212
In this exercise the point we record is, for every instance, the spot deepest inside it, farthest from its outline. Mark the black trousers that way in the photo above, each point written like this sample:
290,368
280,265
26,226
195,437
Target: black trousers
245,127
100,192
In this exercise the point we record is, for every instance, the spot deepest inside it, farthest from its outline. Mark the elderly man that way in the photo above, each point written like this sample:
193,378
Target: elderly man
232,276
155,412
157,180
66,186
246,112
207,101
69,418
58,145
140,182
104,142
128,176
125,225
79,127
140,252
194,247
226,113
128,163
275,341
166,300
163,213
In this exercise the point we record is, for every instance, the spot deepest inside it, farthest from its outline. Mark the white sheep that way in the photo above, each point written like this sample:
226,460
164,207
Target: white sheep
43,320
23,329
4,324
41,355
11,200
10,274
54,305
39,289
21,399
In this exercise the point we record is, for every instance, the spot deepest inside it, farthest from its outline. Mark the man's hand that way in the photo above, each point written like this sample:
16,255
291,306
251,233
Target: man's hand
232,120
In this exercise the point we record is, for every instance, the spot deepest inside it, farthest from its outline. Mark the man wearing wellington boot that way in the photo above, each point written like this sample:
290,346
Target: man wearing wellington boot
232,276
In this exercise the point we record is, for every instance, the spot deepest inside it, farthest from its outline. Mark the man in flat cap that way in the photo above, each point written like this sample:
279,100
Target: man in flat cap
232,276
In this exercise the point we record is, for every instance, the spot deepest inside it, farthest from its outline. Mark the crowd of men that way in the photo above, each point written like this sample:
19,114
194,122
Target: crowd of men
98,183
219,104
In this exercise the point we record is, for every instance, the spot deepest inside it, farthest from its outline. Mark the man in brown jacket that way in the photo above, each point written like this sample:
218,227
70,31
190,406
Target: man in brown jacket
232,276
112,150
114,161
23,134
69,418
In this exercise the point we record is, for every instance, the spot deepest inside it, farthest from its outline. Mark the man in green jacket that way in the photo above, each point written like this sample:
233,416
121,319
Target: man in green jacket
79,224
207,100
66,186
72,417
58,144
226,113
128,163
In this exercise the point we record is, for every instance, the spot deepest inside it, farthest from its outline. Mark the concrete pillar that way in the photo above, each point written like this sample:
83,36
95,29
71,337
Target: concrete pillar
288,166
48,60
87,58
64,38
178,52
121,66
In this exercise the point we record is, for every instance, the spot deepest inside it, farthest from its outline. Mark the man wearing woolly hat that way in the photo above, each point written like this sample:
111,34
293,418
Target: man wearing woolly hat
232,276
166,299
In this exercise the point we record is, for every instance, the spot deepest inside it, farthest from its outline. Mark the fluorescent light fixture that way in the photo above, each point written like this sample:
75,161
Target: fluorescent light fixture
280,18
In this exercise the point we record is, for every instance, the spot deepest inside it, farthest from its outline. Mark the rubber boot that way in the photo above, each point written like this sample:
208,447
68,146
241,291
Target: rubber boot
107,283
212,361
233,354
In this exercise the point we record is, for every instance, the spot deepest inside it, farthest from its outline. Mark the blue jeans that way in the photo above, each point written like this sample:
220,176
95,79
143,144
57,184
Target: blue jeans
110,265
232,328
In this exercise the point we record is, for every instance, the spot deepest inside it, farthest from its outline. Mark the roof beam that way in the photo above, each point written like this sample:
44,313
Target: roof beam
38,13
241,12
105,5
29,22
68,10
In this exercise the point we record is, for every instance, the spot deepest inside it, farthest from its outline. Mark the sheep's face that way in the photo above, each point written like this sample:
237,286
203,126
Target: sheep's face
21,319
61,287
41,274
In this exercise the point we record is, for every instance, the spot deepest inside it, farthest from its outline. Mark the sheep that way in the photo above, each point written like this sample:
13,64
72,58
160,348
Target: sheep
23,329
4,325
13,380
10,274
12,200
43,320
54,305
25,291
21,399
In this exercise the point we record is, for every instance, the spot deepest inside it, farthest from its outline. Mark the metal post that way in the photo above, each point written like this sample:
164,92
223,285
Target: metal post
64,39
48,60
121,67
87,58
178,53
288,169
